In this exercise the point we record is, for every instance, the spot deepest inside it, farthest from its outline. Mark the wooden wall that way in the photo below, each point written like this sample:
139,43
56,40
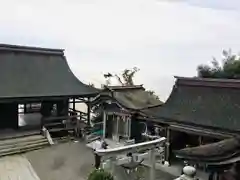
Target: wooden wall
8,115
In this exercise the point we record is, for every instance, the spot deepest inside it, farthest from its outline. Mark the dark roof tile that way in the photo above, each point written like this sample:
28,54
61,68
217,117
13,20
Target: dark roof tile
37,72
203,104
218,151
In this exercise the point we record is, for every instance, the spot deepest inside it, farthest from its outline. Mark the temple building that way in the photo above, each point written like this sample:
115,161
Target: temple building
117,109
37,87
197,113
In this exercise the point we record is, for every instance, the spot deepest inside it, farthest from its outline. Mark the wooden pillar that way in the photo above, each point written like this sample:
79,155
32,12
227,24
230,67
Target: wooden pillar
167,146
80,116
25,108
200,140
104,124
88,111
129,128
117,135
74,104
42,122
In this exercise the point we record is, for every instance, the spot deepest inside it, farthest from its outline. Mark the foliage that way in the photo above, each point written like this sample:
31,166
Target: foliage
153,94
126,78
91,84
229,68
100,175
108,77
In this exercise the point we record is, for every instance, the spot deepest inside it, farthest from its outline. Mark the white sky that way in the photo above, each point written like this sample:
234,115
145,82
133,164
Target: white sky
161,37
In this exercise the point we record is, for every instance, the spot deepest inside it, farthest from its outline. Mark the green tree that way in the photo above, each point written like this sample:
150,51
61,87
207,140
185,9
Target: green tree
228,68
100,175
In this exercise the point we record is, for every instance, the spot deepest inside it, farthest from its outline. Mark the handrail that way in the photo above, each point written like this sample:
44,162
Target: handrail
129,148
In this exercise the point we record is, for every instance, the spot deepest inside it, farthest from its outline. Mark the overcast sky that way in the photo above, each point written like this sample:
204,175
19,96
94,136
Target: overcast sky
161,37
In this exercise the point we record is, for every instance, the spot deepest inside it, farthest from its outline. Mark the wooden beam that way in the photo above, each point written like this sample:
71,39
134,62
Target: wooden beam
76,101
83,99
60,118
201,132
72,110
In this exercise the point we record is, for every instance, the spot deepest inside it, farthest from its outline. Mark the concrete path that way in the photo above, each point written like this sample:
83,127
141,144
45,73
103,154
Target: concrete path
16,168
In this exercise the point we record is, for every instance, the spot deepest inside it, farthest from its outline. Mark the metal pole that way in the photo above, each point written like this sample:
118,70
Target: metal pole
152,164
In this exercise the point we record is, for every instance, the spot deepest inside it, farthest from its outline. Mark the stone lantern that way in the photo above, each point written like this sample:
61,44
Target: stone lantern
189,173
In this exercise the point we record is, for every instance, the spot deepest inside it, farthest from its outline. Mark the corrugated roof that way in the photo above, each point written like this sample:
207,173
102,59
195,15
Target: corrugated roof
37,72
196,102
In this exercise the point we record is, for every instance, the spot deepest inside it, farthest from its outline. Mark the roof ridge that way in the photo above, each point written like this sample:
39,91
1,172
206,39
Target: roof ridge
30,49
207,79
208,82
125,87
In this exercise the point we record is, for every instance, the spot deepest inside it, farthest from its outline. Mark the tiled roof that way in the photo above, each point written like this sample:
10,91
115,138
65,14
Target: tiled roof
211,103
215,152
130,97
37,72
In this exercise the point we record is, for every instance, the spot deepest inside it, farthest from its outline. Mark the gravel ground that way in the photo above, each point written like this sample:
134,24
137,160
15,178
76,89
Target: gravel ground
143,173
67,161
73,161
15,168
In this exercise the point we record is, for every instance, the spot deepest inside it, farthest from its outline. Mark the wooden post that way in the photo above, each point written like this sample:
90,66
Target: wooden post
129,128
104,124
153,164
25,108
167,147
80,116
74,104
88,111
200,140
42,122
117,135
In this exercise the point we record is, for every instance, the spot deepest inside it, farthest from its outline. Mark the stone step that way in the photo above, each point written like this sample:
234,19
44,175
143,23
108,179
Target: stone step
22,144
60,129
54,124
20,147
23,150
23,139
7,136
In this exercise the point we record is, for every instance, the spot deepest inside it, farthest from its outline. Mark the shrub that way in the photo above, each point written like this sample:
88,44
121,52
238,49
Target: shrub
100,175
